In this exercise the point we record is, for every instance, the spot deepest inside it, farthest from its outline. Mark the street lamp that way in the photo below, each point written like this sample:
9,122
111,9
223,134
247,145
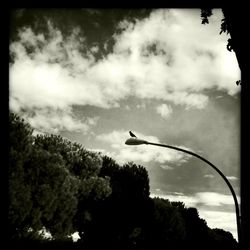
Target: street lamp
137,141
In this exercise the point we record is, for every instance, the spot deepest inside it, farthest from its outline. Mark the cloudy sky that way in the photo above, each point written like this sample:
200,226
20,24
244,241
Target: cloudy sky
92,75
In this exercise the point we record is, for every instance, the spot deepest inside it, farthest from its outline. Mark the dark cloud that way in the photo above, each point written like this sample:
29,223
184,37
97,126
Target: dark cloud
97,25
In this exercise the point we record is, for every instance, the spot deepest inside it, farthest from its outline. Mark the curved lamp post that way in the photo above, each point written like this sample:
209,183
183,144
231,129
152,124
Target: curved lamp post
137,141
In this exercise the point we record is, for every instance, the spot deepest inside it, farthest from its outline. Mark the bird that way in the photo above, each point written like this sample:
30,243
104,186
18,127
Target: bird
131,134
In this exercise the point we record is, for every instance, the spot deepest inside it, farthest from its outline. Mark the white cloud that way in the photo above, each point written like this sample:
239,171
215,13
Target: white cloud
193,59
211,199
166,167
209,176
219,96
232,178
168,56
45,88
164,110
97,150
188,200
142,105
143,153
190,100
49,120
178,193
94,49
214,199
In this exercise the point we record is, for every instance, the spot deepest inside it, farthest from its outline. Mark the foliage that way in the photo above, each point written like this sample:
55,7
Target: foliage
119,220
230,24
19,192
48,178
205,14
61,187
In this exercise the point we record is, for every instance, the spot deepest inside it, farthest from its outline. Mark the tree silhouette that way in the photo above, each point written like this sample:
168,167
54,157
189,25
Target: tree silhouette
117,221
59,186
19,192
50,179
168,227
232,24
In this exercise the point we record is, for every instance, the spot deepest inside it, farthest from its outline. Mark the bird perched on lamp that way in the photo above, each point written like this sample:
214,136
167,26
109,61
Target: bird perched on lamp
131,134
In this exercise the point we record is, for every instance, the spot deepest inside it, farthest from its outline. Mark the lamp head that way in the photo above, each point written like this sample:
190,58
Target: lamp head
135,141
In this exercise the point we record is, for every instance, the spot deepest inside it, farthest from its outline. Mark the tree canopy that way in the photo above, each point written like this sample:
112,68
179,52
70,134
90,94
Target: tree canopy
49,177
59,186
233,24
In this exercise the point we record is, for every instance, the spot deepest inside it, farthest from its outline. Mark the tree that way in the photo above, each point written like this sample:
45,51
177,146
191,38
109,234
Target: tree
232,24
53,193
223,238
59,186
168,226
20,203
196,228
82,167
51,182
118,221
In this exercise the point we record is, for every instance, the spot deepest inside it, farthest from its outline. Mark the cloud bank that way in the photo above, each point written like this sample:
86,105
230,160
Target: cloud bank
143,153
168,56
164,110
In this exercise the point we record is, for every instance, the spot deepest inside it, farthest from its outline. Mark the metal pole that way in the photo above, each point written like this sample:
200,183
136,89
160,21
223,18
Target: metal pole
220,173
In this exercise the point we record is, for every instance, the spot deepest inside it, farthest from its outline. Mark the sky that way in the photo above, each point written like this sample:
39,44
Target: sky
92,75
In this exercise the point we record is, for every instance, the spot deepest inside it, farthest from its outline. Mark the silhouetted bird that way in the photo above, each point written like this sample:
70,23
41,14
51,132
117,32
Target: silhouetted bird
131,134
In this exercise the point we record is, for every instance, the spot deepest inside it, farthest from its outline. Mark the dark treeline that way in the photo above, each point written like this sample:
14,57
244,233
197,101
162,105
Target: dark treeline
57,185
